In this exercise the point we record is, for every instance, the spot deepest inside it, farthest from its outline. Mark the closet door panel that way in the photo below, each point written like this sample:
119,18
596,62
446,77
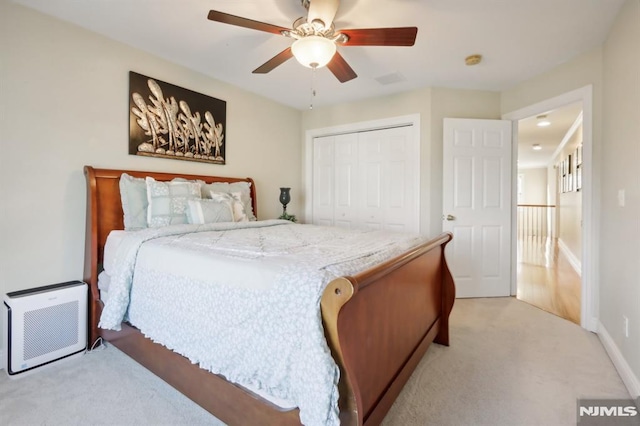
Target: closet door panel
372,178
368,178
345,189
323,180
400,210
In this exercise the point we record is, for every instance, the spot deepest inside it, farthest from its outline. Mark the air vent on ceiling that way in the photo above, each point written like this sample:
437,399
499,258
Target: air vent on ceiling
394,77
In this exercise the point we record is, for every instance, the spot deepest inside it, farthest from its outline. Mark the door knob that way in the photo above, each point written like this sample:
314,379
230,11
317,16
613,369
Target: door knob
449,217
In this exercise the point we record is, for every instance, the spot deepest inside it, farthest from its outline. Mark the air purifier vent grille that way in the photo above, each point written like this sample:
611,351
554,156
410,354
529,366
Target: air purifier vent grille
50,329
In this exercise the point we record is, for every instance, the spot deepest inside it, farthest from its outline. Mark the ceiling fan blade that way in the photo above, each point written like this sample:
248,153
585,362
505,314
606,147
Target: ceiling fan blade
341,69
225,18
324,10
403,36
277,60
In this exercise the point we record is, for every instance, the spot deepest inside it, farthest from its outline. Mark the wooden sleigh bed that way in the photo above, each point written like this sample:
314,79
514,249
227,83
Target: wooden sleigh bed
378,323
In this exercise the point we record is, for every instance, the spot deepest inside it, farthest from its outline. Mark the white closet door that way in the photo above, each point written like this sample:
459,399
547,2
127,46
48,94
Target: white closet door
323,180
345,189
372,185
389,179
368,178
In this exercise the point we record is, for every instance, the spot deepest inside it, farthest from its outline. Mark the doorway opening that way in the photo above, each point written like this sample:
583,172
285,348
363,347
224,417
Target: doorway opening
587,224
549,211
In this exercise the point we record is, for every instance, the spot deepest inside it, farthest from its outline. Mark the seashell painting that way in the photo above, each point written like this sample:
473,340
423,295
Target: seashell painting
168,121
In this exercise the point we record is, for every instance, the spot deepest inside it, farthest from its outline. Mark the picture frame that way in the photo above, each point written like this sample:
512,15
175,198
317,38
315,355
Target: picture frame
569,174
579,155
168,121
578,168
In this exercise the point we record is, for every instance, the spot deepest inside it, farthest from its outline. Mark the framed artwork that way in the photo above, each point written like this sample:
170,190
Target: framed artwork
579,178
563,175
168,121
578,167
579,155
569,174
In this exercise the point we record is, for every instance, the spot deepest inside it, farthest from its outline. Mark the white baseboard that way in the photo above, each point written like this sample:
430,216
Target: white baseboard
624,370
592,324
573,260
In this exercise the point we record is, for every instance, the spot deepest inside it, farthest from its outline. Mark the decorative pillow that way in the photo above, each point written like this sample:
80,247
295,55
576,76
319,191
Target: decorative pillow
133,194
244,188
235,201
168,201
208,211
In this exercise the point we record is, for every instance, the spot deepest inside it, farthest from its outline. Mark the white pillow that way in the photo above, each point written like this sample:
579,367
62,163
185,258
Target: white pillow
133,195
244,188
235,201
208,211
168,201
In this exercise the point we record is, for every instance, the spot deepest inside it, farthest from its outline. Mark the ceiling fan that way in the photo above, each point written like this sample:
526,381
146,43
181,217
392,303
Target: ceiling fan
316,38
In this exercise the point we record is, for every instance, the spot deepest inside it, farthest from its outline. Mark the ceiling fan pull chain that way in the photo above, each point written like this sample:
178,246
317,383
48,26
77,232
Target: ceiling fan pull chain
313,90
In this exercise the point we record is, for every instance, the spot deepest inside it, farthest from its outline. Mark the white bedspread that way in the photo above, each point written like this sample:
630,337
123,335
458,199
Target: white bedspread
261,326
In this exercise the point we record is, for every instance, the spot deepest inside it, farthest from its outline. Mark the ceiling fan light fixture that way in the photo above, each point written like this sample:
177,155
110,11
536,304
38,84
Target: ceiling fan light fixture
313,51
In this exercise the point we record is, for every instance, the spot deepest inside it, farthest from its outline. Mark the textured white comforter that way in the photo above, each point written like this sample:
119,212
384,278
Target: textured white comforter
177,285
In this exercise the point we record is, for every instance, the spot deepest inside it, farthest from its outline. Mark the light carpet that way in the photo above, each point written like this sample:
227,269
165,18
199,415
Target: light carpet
508,364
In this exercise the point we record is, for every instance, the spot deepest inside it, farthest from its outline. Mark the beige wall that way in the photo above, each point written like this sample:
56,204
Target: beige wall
613,72
433,105
569,223
582,71
64,104
620,230
534,188
569,205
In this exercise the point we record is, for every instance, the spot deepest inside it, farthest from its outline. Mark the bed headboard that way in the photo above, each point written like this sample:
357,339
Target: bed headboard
104,214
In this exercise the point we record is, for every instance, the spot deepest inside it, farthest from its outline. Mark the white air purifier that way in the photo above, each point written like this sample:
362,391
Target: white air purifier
44,325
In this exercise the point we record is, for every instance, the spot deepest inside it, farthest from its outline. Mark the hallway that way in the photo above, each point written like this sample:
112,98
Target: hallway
546,279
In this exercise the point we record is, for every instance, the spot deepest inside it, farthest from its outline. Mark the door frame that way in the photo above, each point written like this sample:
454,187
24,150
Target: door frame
590,199
362,126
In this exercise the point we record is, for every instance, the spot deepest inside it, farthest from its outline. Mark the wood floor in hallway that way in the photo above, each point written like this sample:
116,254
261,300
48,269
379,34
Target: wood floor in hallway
546,279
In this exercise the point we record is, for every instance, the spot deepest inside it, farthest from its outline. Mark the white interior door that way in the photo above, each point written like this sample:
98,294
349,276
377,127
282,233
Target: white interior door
477,205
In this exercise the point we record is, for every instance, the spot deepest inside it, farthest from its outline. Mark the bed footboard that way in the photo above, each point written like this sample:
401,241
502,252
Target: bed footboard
380,323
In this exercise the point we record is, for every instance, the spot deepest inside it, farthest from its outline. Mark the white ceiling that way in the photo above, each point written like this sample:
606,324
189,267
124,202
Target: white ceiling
518,39
548,137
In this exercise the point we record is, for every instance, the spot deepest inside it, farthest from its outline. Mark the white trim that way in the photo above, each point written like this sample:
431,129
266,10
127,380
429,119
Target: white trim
2,359
384,123
590,198
571,257
624,369
363,126
514,207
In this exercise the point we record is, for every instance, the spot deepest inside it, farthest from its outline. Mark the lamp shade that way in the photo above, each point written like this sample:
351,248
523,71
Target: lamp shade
313,51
